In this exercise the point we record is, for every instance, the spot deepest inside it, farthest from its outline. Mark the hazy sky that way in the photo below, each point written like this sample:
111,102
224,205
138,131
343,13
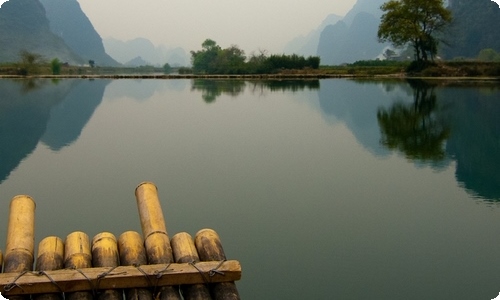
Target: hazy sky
252,25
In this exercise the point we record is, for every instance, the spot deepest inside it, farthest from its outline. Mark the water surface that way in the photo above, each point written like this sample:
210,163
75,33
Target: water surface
329,189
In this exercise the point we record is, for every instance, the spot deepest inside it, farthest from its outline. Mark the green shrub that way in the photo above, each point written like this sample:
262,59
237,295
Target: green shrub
55,65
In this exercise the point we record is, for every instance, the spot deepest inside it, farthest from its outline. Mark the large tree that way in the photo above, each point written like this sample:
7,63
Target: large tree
204,60
414,22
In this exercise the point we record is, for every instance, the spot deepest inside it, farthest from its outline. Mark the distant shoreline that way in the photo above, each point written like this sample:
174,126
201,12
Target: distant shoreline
278,76
187,76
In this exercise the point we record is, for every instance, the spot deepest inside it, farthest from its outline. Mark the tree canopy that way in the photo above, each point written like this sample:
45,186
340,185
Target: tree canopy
414,22
212,59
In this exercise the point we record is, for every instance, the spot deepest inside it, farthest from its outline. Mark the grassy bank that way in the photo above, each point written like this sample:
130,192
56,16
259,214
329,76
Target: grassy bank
408,69
359,69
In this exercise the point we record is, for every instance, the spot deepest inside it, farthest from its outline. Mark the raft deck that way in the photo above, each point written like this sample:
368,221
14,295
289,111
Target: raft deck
151,266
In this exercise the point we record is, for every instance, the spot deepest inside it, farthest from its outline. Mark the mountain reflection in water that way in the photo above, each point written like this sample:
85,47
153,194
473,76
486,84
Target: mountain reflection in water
34,110
429,123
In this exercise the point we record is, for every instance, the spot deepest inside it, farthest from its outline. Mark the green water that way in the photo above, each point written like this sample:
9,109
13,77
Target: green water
329,189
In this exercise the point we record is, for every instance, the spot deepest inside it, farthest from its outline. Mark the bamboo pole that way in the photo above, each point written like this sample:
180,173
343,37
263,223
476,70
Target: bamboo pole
105,254
185,252
20,236
153,226
132,253
77,256
50,257
209,247
154,230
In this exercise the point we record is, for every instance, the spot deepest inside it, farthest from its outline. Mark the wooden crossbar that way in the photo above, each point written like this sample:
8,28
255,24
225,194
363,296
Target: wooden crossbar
123,277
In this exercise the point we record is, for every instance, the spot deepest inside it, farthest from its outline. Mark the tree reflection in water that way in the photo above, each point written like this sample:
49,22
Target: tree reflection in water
415,129
213,88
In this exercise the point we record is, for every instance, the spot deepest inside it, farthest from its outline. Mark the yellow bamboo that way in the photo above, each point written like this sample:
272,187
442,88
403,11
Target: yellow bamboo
185,252
1,261
209,247
153,226
20,235
50,254
132,253
77,255
105,254
154,230
105,250
50,257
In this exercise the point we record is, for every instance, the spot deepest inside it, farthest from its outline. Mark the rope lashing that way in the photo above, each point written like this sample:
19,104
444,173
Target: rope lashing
13,284
138,267
107,273
214,271
211,273
88,279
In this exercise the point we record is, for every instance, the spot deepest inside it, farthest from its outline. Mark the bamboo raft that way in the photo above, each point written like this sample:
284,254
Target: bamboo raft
151,266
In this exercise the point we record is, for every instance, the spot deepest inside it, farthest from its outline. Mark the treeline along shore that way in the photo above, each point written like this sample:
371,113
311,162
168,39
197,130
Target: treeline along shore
360,69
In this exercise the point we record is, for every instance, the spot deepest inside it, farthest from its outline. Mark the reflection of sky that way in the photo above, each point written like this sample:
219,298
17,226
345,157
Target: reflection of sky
142,90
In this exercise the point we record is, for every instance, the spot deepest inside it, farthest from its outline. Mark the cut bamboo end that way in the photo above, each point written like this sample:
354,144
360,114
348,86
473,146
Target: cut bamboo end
132,253
77,252
105,250
154,230
131,249
183,248
20,246
209,247
77,255
105,254
50,257
156,240
150,212
50,254
185,252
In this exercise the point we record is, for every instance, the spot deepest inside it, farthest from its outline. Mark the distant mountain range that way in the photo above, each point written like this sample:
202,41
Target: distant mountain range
60,29
308,45
24,26
354,37
345,39
68,21
51,28
141,51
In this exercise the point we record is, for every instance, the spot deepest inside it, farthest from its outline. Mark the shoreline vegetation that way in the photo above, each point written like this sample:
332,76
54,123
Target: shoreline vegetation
470,70
213,62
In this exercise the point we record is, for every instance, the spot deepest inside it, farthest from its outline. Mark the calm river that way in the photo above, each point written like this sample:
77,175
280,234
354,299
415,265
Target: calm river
329,189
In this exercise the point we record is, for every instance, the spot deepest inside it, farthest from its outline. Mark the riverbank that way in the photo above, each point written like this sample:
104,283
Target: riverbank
187,76
441,70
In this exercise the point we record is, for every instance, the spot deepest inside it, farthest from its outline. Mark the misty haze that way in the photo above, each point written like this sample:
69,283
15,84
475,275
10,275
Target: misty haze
339,149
